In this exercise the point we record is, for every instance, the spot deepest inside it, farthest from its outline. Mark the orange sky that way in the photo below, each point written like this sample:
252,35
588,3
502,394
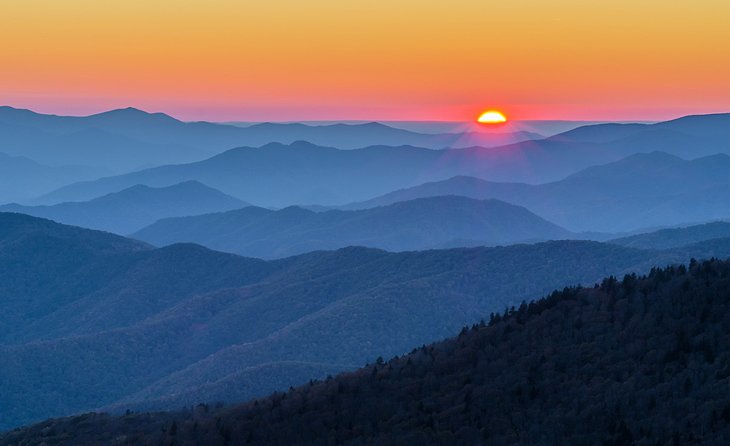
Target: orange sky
337,59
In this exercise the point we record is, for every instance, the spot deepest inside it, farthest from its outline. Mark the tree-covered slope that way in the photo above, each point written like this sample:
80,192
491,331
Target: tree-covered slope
58,280
90,319
639,360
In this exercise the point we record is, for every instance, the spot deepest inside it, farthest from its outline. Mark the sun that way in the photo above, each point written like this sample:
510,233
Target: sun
492,117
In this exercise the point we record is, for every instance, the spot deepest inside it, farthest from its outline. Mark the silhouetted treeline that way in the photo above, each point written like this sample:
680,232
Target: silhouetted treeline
633,360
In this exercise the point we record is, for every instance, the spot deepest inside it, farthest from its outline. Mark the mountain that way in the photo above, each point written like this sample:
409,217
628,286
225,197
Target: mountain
22,178
641,190
410,225
355,136
93,147
135,207
541,127
160,128
462,185
687,137
279,175
603,132
698,125
57,277
674,237
713,127
666,382
130,139
91,319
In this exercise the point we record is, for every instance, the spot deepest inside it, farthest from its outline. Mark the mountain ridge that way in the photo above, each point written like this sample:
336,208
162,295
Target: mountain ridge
409,225
624,195
493,381
135,207
85,306
328,176
675,237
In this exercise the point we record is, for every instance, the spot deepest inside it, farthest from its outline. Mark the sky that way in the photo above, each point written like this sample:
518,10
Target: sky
381,60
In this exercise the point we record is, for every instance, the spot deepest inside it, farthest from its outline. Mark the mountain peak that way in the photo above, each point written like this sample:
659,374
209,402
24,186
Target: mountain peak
301,144
717,124
376,125
183,187
298,144
129,111
132,113
7,111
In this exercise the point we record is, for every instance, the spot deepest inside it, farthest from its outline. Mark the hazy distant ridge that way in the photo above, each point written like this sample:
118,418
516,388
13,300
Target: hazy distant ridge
279,175
411,225
133,208
641,190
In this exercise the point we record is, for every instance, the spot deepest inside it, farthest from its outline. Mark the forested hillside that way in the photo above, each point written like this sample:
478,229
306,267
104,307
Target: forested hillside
163,328
364,223
637,360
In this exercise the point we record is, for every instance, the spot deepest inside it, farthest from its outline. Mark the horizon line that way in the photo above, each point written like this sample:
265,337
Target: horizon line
348,120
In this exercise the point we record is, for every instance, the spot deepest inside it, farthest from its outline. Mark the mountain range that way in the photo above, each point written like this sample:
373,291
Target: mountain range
278,175
674,237
178,291
90,146
623,362
22,178
174,326
133,208
129,138
411,225
642,190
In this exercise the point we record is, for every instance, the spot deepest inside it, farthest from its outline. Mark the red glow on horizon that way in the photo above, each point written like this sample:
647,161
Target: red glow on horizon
303,113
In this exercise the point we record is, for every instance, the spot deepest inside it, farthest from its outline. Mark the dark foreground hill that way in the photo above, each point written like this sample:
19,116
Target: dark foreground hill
411,225
134,208
90,319
643,360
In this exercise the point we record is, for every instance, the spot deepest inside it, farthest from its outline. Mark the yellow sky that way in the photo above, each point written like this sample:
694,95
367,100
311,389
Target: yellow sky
372,59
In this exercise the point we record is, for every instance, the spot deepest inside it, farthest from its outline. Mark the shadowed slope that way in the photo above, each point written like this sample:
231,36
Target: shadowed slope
639,360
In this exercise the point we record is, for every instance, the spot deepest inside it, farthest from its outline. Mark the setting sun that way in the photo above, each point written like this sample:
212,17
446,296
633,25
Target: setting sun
492,117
